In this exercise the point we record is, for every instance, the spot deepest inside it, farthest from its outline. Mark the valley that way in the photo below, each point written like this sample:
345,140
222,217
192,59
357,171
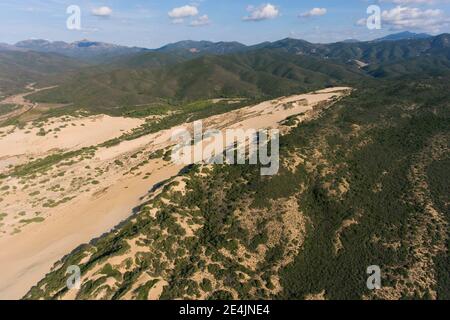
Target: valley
20,104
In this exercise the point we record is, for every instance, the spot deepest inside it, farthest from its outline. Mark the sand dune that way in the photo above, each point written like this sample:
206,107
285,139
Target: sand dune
66,133
102,189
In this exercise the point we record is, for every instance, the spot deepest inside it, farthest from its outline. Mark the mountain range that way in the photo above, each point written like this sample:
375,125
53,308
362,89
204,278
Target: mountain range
84,49
101,51
405,36
100,75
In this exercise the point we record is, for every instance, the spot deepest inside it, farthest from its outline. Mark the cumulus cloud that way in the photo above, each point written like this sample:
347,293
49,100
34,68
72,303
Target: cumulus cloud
183,12
102,11
189,12
201,21
409,18
263,12
314,13
415,2
415,18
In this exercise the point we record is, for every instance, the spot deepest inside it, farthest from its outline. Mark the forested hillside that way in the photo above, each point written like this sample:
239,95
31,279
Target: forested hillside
229,70
18,69
261,73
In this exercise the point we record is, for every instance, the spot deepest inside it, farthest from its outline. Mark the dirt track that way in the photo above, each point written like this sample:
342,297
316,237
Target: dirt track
20,100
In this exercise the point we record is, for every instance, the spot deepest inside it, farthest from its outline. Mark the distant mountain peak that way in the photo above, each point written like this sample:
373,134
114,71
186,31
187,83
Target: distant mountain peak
350,41
405,35
442,41
291,40
194,47
8,47
83,49
291,45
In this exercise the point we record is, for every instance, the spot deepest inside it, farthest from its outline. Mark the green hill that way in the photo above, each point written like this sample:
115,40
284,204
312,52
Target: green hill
196,48
175,75
373,52
251,74
17,69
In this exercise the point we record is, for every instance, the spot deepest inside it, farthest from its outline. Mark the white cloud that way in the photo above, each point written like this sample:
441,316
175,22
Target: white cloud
361,22
400,17
263,12
183,12
409,2
408,18
201,21
314,12
102,11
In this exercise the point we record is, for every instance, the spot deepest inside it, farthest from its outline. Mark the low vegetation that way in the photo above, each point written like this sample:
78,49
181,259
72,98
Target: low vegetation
230,233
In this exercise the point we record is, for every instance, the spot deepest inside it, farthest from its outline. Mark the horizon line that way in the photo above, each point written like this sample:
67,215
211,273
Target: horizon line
221,41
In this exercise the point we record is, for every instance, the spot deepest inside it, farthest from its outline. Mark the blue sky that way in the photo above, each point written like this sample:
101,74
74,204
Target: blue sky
152,23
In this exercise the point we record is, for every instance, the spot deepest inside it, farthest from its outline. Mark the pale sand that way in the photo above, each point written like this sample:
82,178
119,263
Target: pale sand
26,257
76,134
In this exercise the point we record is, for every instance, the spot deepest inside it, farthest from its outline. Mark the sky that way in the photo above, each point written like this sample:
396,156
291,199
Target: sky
153,23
